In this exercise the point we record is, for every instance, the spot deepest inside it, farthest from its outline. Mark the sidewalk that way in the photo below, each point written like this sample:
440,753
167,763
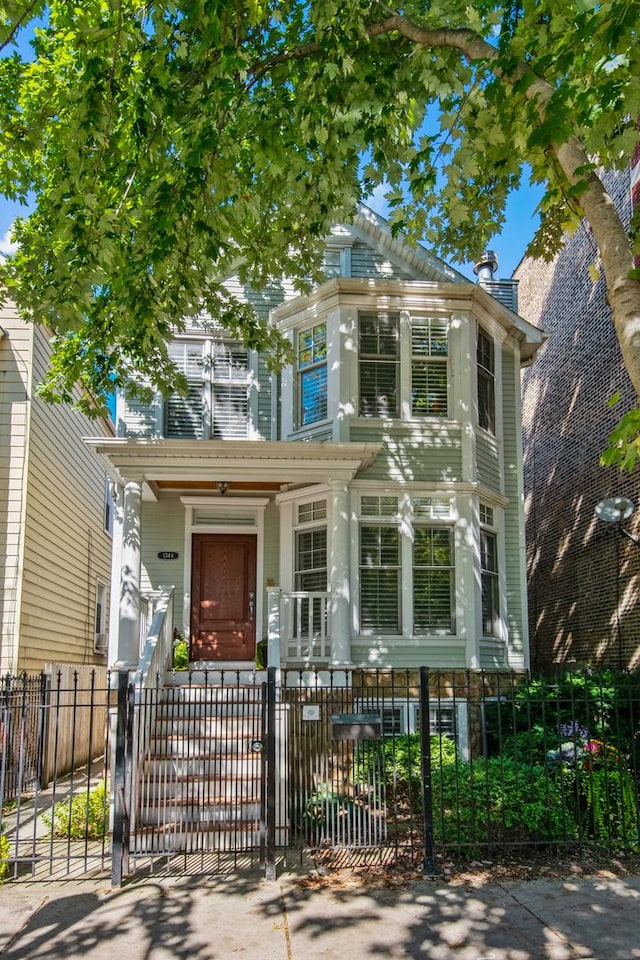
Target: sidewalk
244,916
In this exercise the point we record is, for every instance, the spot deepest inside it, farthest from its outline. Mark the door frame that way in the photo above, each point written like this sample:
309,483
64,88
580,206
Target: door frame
218,515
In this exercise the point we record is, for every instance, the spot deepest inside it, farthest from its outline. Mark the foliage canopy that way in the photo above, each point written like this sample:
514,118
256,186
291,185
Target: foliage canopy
167,143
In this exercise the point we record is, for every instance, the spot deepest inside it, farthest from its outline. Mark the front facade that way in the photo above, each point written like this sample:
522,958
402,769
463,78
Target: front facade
361,508
55,517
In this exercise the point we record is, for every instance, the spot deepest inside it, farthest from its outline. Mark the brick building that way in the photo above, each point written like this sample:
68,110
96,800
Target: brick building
583,574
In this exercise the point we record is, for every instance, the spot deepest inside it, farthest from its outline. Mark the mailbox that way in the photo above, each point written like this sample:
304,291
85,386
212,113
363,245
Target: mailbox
356,726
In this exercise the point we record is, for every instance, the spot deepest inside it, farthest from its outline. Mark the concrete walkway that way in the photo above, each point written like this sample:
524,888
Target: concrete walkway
244,916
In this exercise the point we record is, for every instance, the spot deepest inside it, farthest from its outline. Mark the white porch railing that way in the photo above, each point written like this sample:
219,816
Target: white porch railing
299,627
156,610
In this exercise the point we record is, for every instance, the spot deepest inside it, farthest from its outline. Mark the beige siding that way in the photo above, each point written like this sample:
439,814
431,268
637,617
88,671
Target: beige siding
66,549
15,361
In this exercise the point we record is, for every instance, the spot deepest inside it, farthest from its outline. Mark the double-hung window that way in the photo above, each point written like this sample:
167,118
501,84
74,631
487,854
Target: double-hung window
429,355
486,382
433,567
399,372
311,369
217,399
406,563
489,573
380,566
310,561
379,345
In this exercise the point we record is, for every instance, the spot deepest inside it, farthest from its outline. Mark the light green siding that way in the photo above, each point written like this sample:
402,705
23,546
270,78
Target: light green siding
367,262
488,461
163,529
410,453
514,545
445,653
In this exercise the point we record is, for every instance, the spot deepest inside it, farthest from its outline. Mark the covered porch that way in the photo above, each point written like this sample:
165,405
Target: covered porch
211,524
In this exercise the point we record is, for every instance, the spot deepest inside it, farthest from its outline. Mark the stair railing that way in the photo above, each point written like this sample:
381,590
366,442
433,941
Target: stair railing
154,662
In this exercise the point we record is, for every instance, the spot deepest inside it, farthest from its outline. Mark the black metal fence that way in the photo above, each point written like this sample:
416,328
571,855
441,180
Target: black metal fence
358,766
53,796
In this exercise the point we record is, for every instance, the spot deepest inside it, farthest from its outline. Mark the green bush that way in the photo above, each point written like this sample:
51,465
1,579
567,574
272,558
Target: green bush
180,654
84,816
396,763
500,800
4,857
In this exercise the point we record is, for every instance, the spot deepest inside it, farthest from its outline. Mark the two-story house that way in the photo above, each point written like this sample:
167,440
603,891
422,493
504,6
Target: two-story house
363,507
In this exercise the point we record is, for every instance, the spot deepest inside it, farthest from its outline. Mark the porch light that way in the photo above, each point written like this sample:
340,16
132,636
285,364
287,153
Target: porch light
223,486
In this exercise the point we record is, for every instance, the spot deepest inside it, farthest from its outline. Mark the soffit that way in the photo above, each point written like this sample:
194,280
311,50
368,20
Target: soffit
279,462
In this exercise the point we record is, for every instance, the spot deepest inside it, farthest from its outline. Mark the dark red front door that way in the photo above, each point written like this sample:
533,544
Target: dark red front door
223,597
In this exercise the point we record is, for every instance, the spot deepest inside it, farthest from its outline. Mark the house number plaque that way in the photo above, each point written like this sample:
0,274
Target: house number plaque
168,555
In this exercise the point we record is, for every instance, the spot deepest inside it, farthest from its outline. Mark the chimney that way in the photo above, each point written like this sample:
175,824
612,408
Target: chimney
486,266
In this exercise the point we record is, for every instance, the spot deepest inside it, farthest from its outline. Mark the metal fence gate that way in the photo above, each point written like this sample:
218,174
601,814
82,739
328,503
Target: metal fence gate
208,769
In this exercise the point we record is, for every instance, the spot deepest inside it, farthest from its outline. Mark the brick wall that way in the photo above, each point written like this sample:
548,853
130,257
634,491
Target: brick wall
583,577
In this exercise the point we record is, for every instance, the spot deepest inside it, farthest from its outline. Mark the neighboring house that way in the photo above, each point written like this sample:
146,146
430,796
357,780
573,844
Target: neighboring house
55,523
583,574
362,508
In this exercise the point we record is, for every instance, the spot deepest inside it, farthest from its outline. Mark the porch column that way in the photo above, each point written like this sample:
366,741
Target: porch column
339,569
129,625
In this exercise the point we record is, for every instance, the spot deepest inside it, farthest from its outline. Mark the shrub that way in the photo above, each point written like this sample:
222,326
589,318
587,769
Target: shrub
500,800
180,653
82,817
4,857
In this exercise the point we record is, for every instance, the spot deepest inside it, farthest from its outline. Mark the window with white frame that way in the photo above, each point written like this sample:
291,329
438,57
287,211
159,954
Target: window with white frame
486,382
489,573
379,346
380,566
216,404
100,619
429,368
446,718
408,547
310,556
311,373
387,381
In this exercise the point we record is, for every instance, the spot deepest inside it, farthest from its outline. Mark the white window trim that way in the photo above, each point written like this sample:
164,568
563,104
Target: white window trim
100,644
405,365
404,522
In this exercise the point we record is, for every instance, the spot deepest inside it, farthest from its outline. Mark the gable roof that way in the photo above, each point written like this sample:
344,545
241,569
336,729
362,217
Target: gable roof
372,229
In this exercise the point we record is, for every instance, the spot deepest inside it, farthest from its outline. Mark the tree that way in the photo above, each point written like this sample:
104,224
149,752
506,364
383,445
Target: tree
167,143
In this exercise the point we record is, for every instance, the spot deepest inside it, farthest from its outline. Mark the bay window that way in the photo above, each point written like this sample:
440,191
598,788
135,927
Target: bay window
486,382
379,344
406,544
311,372
489,574
403,373
429,381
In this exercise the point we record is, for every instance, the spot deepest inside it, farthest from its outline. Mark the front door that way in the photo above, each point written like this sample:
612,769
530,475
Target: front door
223,597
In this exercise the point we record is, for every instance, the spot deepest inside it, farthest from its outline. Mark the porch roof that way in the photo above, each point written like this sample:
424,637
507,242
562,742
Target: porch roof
288,463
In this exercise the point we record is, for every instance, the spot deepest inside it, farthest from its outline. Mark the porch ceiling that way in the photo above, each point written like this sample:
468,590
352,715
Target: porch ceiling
285,463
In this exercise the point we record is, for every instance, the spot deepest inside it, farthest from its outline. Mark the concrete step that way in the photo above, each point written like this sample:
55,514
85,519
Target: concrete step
191,813
240,766
223,729
231,789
